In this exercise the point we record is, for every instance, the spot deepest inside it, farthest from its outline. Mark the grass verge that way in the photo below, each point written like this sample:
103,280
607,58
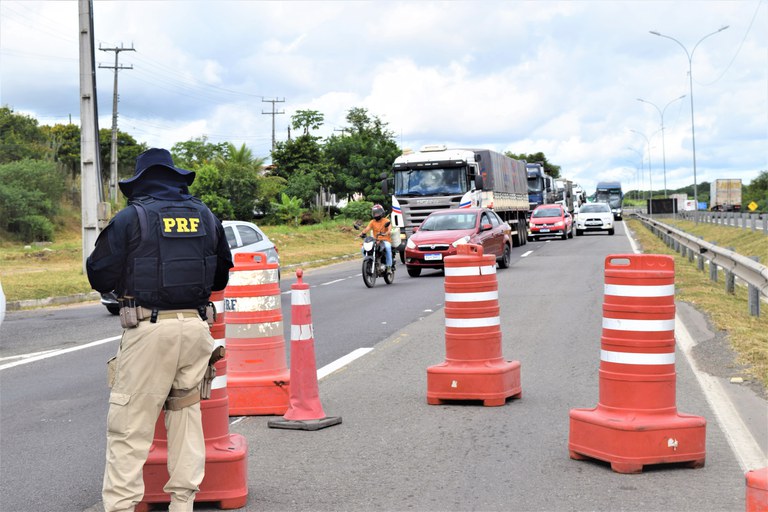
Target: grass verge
56,270
748,335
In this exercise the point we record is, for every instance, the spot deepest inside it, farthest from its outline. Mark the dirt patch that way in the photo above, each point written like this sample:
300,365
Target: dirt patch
713,352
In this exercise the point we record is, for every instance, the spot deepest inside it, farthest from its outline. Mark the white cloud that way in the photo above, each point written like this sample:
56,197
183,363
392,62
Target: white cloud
558,77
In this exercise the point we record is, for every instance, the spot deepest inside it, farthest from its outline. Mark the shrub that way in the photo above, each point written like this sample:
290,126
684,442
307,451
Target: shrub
34,228
357,210
30,190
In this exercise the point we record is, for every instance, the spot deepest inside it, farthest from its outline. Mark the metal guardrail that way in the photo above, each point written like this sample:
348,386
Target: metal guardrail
744,220
754,274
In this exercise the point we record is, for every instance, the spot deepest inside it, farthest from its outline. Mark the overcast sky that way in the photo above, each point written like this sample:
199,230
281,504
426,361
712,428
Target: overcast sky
558,77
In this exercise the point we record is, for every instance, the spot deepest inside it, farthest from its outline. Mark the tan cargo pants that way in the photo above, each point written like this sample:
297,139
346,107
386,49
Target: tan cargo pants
152,359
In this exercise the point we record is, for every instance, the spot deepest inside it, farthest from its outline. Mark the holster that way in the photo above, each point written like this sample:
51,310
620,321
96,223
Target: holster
210,372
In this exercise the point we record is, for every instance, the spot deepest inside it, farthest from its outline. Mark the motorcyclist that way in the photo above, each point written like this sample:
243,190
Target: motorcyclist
381,231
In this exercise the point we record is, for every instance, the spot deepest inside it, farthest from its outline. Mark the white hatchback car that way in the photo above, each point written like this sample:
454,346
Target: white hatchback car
247,237
594,217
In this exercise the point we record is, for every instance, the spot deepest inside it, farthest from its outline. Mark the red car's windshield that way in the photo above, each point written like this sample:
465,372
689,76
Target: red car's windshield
547,212
450,222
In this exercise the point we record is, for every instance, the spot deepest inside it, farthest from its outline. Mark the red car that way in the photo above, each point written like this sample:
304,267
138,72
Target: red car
550,220
442,231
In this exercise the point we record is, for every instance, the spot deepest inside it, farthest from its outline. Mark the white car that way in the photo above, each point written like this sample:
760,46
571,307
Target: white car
594,217
247,237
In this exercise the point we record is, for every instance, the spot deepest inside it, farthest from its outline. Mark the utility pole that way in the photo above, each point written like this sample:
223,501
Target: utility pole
342,130
273,113
113,145
95,213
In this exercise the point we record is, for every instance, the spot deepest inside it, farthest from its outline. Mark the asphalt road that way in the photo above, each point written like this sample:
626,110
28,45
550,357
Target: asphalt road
392,451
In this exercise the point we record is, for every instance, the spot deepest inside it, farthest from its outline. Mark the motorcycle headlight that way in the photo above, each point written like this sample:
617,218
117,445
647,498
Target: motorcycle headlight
410,245
461,241
367,246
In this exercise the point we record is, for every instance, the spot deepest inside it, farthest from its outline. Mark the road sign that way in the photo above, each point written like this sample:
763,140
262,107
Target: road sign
752,206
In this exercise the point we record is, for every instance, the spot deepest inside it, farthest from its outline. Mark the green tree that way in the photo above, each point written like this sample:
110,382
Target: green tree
209,188
241,173
358,160
306,120
30,195
300,161
197,151
757,191
64,142
535,158
127,151
20,137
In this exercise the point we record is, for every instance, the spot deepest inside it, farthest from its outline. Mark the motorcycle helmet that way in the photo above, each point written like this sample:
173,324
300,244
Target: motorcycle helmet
377,211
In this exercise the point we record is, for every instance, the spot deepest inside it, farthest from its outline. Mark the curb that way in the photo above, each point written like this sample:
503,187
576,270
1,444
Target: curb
18,305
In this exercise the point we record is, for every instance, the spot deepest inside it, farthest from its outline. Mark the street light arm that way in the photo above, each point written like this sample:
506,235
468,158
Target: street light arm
706,36
675,40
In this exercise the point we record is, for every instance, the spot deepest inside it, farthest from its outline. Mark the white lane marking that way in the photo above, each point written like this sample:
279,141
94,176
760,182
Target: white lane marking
747,451
341,362
55,353
25,356
526,254
334,281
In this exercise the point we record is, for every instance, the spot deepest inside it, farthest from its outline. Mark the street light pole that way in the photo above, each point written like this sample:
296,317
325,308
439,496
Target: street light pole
650,177
690,82
663,145
642,158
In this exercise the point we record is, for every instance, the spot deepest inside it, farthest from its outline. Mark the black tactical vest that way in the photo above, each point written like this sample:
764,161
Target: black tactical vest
174,265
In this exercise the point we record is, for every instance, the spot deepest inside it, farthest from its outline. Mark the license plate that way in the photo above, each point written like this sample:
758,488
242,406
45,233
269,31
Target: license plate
544,230
594,223
433,257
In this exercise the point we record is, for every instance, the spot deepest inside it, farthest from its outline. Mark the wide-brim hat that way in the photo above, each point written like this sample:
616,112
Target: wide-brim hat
153,158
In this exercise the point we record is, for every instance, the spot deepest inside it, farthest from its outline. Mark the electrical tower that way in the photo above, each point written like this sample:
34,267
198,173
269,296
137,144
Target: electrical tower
113,145
273,113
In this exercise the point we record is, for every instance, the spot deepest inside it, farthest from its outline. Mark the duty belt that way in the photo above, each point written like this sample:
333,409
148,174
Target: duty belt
166,314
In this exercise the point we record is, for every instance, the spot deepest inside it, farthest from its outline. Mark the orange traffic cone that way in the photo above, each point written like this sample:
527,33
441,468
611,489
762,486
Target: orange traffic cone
305,412
757,490
226,463
474,368
636,421
258,374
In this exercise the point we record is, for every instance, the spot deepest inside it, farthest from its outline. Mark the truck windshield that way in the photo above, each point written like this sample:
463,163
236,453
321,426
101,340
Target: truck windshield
535,184
431,182
612,197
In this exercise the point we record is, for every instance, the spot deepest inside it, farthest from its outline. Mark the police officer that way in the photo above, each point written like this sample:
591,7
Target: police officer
162,255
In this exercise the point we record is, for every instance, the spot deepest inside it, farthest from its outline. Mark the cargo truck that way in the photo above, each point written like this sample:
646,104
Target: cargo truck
437,178
610,192
541,188
725,195
564,194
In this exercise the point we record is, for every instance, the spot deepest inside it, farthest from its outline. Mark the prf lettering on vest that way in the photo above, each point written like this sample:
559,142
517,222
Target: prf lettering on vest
180,225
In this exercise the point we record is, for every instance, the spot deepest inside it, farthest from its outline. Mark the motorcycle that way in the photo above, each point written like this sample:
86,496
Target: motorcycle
375,261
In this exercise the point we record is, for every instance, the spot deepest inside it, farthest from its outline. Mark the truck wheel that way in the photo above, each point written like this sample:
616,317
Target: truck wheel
414,271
